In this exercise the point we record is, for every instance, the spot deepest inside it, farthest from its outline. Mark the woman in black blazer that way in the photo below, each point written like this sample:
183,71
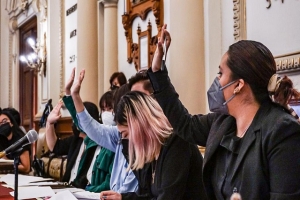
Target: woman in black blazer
252,143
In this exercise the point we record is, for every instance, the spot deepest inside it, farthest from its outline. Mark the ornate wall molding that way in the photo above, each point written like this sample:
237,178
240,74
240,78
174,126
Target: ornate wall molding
141,8
109,3
61,44
239,17
288,63
16,7
10,66
19,11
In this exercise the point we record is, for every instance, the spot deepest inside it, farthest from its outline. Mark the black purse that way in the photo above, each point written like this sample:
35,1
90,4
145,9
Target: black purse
38,167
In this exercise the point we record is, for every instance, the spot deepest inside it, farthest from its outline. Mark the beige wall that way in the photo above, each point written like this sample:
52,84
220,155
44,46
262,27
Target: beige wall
201,32
186,58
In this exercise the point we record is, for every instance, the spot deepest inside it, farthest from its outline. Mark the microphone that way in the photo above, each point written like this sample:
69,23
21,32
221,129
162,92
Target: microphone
29,138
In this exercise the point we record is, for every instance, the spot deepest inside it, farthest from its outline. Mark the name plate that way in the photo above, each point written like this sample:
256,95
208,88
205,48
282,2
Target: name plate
73,33
72,9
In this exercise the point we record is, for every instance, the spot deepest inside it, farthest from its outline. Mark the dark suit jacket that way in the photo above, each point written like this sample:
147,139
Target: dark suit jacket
68,146
268,164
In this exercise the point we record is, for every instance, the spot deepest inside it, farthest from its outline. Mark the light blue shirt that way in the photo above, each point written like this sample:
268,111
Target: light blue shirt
122,180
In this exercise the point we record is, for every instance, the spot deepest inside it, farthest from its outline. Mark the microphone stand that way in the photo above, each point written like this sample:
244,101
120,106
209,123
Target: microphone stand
16,155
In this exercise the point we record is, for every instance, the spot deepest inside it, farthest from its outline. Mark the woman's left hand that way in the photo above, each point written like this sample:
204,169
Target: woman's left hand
70,82
110,195
77,84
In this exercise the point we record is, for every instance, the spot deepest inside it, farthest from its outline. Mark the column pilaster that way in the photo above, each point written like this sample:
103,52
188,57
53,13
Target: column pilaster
110,39
87,48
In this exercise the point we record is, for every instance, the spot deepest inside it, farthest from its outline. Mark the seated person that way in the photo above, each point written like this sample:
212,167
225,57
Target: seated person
141,82
16,116
106,108
10,132
282,91
117,79
122,180
88,166
158,156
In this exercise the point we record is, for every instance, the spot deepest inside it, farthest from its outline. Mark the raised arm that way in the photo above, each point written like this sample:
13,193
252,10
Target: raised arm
68,101
75,92
105,136
50,131
194,129
165,37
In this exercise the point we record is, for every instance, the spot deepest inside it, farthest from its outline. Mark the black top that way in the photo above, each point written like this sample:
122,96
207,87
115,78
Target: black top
5,143
267,165
177,174
68,146
225,159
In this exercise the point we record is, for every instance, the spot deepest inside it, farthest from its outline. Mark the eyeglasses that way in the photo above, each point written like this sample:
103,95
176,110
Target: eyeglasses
4,121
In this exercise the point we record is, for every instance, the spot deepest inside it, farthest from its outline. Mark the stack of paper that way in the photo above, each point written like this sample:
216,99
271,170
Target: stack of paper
33,187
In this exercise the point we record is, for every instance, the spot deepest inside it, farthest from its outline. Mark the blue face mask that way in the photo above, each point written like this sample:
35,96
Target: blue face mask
215,95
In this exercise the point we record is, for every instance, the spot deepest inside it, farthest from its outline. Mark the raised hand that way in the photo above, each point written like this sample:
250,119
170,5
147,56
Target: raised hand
70,83
54,115
165,37
75,89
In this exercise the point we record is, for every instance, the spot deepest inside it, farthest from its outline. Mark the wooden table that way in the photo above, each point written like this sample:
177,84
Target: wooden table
6,168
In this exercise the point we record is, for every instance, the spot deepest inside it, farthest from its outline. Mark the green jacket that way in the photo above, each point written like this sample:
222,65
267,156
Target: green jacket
103,163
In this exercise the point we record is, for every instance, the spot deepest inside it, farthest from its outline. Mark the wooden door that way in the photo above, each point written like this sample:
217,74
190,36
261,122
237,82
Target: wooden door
28,78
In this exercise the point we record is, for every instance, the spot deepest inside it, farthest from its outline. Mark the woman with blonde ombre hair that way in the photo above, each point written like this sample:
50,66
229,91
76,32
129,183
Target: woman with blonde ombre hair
136,113
166,166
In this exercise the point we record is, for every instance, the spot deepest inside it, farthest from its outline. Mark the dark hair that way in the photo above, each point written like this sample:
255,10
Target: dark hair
17,132
92,110
124,89
106,100
15,114
253,62
286,91
141,76
127,100
120,76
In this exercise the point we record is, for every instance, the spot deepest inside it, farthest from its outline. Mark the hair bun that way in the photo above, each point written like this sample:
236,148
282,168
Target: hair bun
274,83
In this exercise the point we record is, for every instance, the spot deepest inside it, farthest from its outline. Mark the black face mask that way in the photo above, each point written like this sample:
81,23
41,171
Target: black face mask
76,132
125,148
113,87
5,129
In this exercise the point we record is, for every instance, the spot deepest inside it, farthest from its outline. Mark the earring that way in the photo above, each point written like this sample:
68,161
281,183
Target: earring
236,90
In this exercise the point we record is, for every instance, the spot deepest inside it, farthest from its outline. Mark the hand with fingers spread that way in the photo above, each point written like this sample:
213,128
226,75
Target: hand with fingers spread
159,52
75,89
70,83
110,195
54,115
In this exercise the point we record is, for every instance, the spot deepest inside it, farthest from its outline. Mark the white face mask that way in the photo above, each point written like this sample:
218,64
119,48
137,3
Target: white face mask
108,118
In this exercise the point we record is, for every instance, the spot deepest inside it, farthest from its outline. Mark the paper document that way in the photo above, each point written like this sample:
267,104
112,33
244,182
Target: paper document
23,180
42,183
34,192
63,195
72,190
86,195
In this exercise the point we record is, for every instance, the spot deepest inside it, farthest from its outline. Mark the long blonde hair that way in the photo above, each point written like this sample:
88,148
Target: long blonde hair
148,127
